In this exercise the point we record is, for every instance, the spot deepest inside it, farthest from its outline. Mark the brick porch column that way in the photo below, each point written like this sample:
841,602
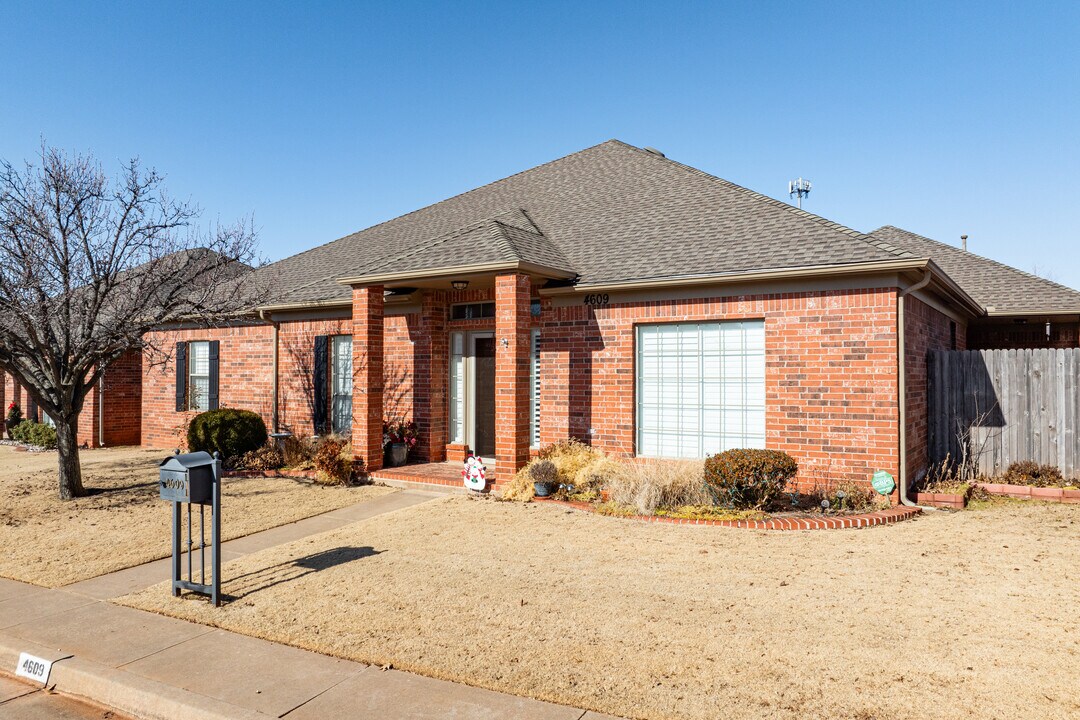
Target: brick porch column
512,297
367,318
431,368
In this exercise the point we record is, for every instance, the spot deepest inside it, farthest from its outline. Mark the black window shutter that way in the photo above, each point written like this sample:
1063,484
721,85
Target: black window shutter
212,400
318,384
181,376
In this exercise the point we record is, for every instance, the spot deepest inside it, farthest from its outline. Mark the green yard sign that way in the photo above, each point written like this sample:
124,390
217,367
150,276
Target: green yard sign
883,482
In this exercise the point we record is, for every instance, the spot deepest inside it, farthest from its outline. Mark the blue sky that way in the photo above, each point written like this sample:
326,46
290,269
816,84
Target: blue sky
320,119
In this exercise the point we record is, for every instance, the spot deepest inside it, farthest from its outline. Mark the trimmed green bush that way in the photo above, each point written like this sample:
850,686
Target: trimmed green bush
749,478
227,431
33,433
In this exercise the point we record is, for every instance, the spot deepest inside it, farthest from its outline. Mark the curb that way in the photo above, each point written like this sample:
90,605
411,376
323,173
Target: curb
121,690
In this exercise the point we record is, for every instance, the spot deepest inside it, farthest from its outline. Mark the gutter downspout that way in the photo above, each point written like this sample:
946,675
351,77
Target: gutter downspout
101,410
274,387
902,382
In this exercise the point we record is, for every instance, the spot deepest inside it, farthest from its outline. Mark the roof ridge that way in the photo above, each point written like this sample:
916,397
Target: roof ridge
998,263
452,197
503,240
855,234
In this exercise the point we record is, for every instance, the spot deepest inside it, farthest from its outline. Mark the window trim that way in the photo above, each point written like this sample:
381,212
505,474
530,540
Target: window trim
189,375
331,381
636,368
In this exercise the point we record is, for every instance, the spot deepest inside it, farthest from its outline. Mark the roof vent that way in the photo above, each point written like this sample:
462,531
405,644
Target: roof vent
654,151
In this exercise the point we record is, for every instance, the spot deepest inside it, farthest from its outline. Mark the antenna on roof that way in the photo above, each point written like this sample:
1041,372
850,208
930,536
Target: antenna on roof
799,187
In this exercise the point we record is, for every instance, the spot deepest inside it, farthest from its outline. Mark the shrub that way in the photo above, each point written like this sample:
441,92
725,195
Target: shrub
855,497
32,433
569,457
1029,472
650,484
227,431
268,457
14,416
297,452
20,431
334,461
43,435
749,478
520,487
543,471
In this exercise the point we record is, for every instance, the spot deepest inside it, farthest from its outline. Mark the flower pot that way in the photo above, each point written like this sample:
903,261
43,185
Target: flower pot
397,454
542,489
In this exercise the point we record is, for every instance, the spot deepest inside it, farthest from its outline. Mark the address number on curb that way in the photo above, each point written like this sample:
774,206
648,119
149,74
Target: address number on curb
34,668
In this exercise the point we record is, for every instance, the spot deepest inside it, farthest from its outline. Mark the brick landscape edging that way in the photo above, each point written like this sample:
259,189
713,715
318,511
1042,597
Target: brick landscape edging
1027,492
957,501
879,517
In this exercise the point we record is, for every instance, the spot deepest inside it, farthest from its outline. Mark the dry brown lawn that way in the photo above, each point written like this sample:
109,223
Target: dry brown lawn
950,615
50,542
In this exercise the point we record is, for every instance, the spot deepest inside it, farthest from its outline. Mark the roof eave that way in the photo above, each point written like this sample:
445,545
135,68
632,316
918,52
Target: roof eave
450,272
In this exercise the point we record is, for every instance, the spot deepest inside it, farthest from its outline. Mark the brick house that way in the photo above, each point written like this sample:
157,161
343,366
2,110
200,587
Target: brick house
616,296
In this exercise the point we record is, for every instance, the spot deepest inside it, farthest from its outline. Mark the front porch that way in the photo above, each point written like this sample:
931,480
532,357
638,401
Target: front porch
437,475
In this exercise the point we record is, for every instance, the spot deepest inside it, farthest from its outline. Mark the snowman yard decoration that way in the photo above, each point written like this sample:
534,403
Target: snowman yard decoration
474,473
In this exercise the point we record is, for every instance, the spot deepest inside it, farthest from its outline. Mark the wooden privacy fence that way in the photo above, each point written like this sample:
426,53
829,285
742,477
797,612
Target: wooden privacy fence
1006,405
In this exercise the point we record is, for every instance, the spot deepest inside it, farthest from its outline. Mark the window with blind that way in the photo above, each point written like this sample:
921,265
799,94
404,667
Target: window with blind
341,384
198,379
700,388
457,388
534,390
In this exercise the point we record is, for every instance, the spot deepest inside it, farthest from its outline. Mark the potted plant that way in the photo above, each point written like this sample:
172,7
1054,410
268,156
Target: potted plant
399,438
13,418
545,477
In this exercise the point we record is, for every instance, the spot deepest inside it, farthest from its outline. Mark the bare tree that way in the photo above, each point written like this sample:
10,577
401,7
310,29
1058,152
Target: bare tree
88,265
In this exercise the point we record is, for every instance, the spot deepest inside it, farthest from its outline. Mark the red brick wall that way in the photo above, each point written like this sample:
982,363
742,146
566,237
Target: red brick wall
1022,336
245,368
296,358
925,329
831,375
512,349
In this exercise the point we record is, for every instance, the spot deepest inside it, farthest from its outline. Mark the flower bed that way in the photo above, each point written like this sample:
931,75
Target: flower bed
1028,492
792,522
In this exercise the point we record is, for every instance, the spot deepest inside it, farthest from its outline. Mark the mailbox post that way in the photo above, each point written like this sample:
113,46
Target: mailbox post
194,479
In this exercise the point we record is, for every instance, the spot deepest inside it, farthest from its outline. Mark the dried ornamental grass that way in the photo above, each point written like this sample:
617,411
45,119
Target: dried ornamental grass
650,484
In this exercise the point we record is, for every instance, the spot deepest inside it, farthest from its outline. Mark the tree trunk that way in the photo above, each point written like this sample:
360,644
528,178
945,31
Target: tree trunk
67,446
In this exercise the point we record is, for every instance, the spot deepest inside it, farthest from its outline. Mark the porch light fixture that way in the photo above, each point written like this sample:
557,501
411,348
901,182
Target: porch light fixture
459,284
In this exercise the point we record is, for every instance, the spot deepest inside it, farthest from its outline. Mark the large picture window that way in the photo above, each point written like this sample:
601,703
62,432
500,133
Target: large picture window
341,384
198,380
700,388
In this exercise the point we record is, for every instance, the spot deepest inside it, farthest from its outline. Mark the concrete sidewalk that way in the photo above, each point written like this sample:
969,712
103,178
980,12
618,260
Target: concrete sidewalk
154,667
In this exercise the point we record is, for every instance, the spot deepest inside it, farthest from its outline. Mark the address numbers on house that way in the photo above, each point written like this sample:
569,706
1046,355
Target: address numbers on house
597,299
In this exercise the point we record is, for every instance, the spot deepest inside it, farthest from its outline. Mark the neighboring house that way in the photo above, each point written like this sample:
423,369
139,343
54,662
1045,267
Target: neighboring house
616,296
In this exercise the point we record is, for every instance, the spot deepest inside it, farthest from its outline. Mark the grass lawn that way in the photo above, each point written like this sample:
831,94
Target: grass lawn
950,615
50,542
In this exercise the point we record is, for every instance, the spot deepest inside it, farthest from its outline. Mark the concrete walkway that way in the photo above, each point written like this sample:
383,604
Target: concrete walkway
154,667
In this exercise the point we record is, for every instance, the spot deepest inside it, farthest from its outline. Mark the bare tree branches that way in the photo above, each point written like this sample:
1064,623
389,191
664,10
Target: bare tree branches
89,264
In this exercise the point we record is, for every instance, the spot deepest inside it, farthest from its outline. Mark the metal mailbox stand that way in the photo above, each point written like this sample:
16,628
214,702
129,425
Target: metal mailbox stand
194,479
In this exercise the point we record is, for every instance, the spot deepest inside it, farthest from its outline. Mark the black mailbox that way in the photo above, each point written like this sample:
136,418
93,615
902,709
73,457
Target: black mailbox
187,478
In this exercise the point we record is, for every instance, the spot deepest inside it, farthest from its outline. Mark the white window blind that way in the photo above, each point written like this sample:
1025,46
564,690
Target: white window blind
700,388
198,360
341,384
534,390
457,387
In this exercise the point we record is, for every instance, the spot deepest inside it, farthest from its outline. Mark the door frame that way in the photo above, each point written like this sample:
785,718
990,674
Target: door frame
471,337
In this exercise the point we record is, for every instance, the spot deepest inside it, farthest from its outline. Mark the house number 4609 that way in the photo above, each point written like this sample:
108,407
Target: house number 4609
596,299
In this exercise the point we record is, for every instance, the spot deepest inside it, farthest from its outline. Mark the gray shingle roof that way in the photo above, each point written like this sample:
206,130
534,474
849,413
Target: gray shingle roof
999,288
610,213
